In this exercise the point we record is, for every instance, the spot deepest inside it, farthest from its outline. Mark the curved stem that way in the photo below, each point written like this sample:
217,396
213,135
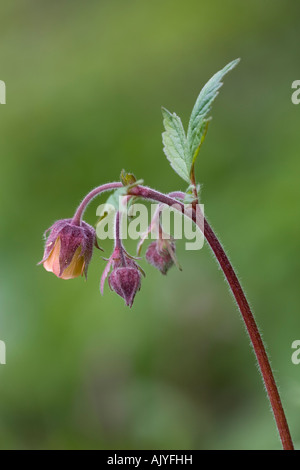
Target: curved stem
254,334
245,311
89,197
177,194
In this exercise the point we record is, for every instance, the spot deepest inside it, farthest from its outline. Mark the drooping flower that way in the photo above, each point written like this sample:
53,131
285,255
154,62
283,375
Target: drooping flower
69,248
126,282
161,254
125,277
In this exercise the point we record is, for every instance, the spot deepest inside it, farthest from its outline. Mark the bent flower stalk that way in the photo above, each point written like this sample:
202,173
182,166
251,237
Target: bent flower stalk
70,242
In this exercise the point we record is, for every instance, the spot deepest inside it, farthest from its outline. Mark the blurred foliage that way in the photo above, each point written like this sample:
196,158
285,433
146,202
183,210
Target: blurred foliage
85,83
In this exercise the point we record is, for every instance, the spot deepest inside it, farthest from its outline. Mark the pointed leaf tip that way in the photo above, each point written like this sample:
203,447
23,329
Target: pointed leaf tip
181,149
199,116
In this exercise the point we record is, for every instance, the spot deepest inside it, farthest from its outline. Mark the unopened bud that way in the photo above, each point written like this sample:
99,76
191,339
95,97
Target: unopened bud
69,249
161,254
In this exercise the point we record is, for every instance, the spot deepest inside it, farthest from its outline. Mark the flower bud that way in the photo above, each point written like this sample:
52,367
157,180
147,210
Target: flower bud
125,278
161,254
126,282
69,249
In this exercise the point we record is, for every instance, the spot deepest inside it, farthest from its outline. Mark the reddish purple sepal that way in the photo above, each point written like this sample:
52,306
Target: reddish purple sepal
125,278
71,237
161,254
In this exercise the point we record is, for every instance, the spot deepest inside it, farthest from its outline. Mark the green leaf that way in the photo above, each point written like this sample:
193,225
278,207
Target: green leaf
111,204
199,117
189,197
113,199
181,150
175,144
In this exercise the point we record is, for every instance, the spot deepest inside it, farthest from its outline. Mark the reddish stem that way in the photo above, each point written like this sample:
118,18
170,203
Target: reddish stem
118,243
246,313
89,197
254,334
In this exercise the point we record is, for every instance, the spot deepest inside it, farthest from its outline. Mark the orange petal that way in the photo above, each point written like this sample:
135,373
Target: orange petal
76,266
52,262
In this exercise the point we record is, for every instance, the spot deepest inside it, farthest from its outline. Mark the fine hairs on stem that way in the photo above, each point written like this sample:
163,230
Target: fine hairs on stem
70,243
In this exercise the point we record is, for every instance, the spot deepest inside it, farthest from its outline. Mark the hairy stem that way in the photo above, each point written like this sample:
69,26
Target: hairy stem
254,334
245,311
90,196
118,242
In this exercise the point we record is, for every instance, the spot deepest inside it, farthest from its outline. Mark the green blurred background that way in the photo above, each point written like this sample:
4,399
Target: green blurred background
85,83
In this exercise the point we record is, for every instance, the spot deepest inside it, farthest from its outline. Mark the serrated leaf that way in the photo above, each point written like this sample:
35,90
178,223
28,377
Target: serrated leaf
175,144
199,117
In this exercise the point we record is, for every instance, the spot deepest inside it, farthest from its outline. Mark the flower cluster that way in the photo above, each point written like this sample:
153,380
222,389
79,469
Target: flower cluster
69,248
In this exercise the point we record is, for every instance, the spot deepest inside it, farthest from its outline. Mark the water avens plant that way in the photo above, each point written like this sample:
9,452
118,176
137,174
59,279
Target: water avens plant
69,245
